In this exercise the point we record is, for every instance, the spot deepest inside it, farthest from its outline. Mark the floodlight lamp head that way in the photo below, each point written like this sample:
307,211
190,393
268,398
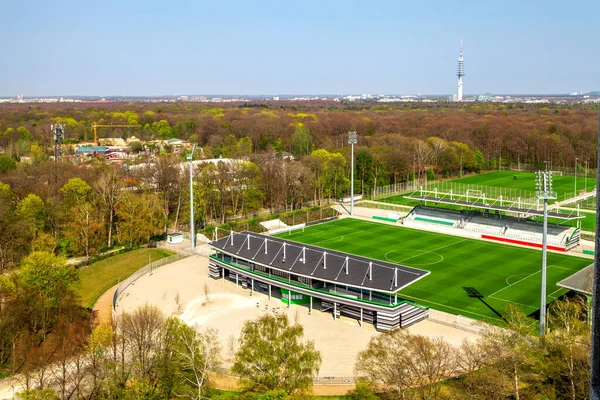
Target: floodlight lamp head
352,139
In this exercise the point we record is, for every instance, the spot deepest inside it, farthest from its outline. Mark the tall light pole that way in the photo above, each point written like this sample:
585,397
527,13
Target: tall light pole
595,356
575,188
543,185
190,158
352,140
586,171
461,164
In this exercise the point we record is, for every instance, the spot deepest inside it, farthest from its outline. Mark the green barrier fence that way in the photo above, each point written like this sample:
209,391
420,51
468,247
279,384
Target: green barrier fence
435,221
384,219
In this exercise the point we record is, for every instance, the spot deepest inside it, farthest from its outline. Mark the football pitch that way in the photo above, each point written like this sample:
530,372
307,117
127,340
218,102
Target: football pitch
468,277
526,181
510,184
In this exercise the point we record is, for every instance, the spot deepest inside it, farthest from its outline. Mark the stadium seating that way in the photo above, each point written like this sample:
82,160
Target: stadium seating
491,225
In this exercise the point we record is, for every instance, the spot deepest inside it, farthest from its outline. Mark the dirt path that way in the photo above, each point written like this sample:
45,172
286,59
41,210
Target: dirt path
103,308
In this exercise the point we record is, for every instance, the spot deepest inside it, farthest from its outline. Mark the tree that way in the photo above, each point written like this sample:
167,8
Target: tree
31,212
83,228
302,140
136,147
195,354
568,348
33,394
49,287
140,217
6,164
509,350
109,187
272,356
407,362
76,191
144,329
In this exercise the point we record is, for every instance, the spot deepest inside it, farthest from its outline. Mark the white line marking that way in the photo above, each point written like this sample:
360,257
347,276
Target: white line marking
506,287
443,305
432,251
512,302
513,276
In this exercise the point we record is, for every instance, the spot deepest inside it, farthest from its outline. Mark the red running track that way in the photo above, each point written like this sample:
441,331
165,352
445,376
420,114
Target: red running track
522,242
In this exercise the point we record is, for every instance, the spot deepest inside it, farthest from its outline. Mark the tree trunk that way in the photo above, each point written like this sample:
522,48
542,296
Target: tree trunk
110,225
516,383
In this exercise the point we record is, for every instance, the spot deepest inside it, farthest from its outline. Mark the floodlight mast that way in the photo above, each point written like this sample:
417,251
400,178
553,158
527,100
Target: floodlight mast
190,158
544,192
595,345
352,140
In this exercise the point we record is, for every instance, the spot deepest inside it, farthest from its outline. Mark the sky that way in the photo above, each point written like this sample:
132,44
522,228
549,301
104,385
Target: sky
147,47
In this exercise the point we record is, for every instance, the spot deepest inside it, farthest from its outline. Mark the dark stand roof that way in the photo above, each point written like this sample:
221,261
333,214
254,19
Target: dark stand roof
581,281
319,263
480,205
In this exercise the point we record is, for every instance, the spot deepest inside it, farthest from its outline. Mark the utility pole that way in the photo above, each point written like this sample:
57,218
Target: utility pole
190,158
544,192
352,140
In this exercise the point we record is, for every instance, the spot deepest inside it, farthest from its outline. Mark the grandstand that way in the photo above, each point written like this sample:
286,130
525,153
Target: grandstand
342,283
478,222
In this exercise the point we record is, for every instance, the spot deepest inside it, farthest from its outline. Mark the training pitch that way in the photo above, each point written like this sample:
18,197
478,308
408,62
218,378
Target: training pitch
473,278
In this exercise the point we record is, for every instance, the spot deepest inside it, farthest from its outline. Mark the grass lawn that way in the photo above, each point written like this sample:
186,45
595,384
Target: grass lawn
526,181
504,183
101,276
588,223
468,277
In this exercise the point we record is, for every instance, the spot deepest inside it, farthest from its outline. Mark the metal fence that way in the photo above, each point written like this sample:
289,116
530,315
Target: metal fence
148,268
456,321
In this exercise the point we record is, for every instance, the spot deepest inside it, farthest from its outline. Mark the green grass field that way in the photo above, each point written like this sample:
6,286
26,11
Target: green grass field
101,276
504,183
526,181
459,267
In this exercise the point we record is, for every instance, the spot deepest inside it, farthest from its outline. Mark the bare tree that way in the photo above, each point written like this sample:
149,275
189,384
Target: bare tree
143,330
407,362
109,187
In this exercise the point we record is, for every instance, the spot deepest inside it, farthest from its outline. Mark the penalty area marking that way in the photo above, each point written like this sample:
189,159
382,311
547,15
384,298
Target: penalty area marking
512,302
522,279
512,276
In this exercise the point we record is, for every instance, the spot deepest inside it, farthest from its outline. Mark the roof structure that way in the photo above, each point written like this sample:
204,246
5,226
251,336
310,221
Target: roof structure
91,149
318,263
494,207
581,281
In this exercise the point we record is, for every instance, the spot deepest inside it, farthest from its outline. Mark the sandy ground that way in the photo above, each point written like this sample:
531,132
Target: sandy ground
228,308
103,307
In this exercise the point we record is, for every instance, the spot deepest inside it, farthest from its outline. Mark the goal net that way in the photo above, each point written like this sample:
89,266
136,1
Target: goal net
557,173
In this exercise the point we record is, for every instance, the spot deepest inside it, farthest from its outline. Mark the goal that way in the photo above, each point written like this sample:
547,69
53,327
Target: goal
557,173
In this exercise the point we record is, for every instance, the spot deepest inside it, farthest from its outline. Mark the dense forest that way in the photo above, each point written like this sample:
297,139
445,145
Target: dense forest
512,132
285,156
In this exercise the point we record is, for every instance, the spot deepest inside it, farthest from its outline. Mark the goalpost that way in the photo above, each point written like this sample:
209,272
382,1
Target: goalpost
557,173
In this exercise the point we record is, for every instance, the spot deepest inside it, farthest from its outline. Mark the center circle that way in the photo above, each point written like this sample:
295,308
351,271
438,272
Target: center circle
427,257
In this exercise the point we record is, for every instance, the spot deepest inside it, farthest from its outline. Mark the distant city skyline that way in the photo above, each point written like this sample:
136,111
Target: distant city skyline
152,48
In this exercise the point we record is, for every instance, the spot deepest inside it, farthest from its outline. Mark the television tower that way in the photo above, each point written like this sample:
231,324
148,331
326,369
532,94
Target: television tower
460,74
